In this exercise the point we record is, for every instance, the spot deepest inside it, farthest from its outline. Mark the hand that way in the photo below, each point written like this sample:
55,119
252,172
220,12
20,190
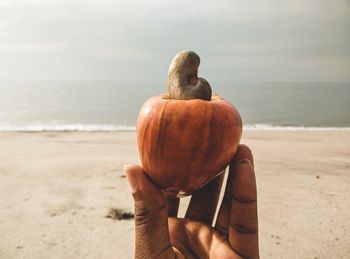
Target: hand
160,234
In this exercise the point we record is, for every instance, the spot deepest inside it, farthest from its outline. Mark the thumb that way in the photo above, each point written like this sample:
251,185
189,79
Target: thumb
151,216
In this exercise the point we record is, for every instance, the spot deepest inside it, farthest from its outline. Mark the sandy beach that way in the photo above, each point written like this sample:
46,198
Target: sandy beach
57,190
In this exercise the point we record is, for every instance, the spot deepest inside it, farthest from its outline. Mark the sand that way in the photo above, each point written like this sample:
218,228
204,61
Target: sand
57,190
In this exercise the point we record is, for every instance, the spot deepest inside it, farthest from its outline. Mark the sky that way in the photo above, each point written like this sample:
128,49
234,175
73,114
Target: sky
241,40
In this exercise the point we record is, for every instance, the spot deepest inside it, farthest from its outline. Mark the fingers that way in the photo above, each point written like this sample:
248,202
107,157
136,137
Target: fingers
237,216
151,216
204,202
223,219
243,229
224,215
173,206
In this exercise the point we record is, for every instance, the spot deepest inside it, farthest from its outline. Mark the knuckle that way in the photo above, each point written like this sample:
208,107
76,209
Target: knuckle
148,215
242,229
142,216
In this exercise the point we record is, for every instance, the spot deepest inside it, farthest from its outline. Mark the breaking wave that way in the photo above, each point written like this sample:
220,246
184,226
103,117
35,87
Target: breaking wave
112,127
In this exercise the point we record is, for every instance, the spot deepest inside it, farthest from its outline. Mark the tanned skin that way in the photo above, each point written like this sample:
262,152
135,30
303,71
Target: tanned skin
160,234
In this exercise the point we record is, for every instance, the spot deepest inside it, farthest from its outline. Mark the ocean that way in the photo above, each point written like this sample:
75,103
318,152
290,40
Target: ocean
104,105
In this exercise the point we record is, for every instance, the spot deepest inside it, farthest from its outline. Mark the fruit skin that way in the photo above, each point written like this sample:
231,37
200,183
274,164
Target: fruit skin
183,144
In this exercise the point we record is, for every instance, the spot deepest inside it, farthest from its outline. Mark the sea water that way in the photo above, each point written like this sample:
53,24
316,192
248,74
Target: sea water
93,105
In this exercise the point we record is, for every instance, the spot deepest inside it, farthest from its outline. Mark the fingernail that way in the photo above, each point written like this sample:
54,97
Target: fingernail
130,176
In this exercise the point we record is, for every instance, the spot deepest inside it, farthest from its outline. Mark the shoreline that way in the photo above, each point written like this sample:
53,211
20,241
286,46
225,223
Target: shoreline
249,129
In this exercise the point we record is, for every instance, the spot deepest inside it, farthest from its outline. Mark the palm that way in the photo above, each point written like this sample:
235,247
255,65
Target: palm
198,240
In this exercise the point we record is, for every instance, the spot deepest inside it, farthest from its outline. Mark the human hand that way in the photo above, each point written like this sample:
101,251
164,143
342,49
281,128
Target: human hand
160,234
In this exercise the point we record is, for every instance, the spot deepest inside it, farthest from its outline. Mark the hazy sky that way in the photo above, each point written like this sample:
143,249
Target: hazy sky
244,40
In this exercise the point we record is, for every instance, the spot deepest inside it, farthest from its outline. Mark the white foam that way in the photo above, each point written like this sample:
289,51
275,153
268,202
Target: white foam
113,127
269,127
68,127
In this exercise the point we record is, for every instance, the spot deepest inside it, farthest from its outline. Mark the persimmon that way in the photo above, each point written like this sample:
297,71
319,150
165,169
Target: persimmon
188,136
